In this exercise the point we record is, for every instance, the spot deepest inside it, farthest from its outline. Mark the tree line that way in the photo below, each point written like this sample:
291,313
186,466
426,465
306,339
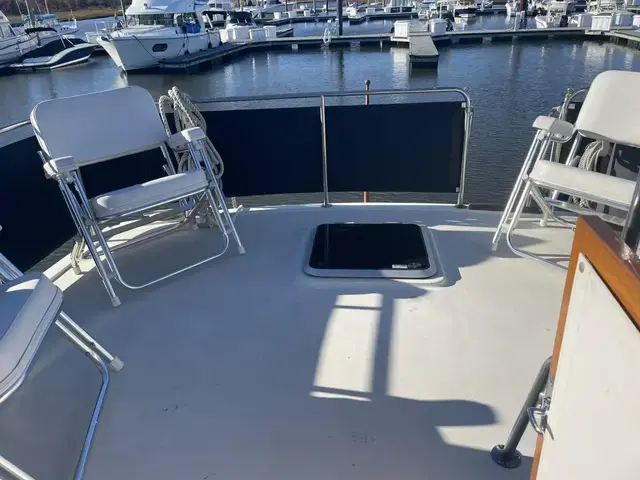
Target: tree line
15,7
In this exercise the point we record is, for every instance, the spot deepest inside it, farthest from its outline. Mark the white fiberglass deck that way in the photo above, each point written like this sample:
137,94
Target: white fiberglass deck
248,368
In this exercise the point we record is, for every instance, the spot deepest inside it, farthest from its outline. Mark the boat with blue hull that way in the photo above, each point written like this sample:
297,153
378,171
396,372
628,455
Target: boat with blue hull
65,52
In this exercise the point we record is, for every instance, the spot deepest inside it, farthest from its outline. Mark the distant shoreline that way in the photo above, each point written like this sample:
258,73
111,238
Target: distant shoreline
82,14
91,13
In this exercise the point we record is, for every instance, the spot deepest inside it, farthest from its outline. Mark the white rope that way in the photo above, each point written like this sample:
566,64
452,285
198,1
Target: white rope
186,115
330,31
589,161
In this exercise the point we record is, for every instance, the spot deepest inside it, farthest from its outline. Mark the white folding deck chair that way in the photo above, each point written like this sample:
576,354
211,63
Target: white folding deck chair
78,131
29,305
609,114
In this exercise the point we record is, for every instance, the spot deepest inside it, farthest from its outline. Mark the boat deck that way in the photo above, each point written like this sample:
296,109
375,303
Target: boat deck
248,368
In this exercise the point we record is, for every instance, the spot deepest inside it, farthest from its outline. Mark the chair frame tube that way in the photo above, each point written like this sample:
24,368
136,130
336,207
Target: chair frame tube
93,350
92,235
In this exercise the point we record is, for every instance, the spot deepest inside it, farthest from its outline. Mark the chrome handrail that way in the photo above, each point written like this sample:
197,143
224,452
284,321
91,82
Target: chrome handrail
335,93
569,97
561,111
322,96
14,126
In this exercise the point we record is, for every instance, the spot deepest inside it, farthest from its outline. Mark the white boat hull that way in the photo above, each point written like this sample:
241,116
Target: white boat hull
13,48
136,52
542,22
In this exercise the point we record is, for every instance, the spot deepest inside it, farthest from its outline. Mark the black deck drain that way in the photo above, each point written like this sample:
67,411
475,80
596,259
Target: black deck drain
392,250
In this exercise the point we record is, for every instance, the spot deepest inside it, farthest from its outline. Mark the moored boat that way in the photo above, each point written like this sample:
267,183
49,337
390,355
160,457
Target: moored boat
14,44
54,55
155,31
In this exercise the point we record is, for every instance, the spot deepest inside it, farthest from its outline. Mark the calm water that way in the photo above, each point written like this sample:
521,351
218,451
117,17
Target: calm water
510,84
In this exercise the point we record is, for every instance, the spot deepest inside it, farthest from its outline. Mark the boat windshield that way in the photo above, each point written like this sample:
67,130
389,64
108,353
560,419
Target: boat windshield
240,18
165,19
5,31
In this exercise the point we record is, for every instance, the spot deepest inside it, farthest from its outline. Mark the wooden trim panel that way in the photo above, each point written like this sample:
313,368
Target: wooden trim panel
618,267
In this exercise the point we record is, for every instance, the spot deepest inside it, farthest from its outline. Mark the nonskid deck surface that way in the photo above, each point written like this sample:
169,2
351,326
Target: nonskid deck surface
248,368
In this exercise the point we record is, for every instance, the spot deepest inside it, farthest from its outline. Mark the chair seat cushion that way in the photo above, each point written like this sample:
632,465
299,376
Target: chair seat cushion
593,186
148,194
28,306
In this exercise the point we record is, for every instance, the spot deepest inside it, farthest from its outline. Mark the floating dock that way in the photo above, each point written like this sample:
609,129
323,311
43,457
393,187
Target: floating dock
422,52
361,17
200,60
208,57
628,38
479,36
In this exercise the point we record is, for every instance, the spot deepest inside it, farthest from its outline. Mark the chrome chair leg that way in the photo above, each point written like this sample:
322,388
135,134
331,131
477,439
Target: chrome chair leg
572,160
114,362
76,335
86,234
14,470
9,271
220,196
508,210
526,193
104,373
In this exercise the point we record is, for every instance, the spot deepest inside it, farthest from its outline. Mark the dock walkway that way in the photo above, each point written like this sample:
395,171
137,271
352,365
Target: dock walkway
229,51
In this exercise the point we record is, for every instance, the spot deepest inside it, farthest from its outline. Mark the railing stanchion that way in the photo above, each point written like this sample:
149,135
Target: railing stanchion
468,119
323,95
325,171
367,101
506,455
631,230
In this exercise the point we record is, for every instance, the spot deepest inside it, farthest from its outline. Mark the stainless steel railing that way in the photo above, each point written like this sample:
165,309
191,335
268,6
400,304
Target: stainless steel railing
562,111
322,98
14,126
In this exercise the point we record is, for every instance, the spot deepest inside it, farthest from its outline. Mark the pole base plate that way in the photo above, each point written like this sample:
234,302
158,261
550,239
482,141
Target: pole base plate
505,460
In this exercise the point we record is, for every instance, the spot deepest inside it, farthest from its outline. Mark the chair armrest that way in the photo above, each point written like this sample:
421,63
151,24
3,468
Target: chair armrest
60,166
180,140
555,126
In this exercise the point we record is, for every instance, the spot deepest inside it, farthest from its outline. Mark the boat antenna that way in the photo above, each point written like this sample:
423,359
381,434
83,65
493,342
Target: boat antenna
37,6
46,6
19,10
68,4
31,19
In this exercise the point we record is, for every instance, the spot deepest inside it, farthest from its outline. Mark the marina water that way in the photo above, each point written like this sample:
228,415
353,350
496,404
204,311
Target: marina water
509,84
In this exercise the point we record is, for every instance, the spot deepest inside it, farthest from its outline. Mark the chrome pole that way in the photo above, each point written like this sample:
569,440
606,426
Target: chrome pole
14,470
468,119
631,230
325,171
524,170
95,415
367,101
506,455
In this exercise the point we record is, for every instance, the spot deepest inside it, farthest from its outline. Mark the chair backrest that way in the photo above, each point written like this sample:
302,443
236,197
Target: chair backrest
610,109
98,126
